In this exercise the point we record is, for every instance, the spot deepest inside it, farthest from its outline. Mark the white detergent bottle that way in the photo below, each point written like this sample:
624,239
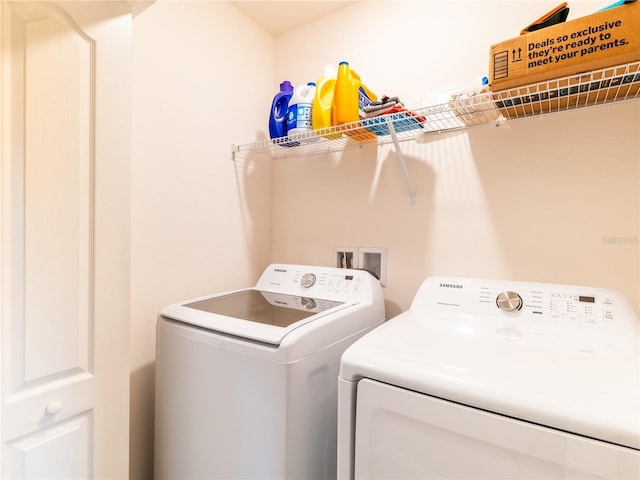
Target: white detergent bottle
300,106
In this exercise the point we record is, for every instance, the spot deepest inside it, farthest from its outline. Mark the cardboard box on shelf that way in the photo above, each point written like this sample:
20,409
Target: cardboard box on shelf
603,39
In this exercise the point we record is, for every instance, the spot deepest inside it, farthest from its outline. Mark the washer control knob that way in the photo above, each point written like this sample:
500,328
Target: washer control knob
308,303
308,280
509,301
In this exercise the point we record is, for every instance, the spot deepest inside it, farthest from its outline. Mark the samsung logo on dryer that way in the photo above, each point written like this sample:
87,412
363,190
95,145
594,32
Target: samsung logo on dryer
451,285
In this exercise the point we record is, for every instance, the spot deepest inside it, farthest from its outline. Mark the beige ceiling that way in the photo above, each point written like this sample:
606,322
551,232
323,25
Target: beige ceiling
280,17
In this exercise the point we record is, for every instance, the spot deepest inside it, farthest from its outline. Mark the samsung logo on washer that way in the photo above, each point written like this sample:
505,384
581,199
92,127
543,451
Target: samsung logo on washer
450,285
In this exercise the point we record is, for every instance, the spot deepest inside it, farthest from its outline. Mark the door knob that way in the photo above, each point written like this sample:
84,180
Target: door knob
53,407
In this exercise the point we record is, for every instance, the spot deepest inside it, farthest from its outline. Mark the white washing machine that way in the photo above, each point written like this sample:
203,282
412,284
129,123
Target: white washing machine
246,381
487,379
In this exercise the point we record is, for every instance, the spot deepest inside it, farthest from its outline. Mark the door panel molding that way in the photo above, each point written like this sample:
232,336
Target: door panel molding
52,295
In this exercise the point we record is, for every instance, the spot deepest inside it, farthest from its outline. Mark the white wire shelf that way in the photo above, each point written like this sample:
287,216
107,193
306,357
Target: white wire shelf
597,87
378,130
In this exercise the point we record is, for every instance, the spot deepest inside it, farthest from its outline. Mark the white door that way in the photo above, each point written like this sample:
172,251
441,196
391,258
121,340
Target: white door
65,151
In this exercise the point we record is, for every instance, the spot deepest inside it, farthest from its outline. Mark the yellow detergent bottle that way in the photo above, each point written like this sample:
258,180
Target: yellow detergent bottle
349,99
323,100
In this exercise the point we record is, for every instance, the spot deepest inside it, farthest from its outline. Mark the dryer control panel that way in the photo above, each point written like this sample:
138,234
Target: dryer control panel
516,310
568,303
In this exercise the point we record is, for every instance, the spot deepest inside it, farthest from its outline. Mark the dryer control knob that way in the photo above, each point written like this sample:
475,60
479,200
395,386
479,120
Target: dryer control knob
509,301
308,280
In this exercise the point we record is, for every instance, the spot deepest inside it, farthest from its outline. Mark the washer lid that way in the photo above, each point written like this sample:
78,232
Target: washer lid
567,358
253,314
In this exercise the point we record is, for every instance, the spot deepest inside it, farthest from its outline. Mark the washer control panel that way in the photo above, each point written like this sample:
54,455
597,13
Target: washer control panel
319,282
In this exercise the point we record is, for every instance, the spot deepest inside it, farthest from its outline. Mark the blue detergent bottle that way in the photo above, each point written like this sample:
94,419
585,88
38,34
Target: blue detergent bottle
279,109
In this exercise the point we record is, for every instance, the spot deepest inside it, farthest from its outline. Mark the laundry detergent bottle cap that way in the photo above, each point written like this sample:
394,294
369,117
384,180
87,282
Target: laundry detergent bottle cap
300,107
350,97
323,100
279,110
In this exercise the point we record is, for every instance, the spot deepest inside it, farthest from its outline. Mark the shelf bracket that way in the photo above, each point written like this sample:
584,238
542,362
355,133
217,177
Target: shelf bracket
396,143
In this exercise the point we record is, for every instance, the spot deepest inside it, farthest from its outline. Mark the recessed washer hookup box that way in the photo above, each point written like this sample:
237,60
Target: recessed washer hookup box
606,38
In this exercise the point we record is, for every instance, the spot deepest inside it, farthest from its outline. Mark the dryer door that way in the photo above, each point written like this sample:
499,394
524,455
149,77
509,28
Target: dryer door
404,434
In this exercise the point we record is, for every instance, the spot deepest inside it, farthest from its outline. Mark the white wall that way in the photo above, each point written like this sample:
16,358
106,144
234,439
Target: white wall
535,200
200,222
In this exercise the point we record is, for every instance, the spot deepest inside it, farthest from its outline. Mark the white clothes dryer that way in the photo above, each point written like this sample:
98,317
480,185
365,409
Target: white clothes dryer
246,381
484,379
